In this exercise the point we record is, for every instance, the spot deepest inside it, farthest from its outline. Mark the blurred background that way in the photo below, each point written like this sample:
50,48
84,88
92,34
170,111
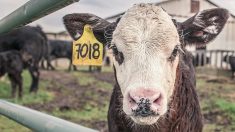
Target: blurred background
81,93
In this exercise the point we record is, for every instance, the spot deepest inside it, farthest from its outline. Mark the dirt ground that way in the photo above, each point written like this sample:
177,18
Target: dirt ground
74,95
217,100
70,95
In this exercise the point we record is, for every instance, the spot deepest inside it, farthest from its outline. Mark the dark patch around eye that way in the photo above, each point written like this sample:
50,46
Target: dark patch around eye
118,55
173,55
175,52
119,58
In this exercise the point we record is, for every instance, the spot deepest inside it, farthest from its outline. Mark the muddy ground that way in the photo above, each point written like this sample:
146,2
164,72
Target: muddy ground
71,95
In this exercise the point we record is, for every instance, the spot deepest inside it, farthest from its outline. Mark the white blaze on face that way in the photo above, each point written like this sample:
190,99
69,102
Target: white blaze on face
146,36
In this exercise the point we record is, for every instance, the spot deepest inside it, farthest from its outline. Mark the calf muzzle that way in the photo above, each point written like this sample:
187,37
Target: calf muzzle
143,108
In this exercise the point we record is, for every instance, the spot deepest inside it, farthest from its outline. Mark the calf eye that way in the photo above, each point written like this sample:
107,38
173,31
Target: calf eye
117,54
175,52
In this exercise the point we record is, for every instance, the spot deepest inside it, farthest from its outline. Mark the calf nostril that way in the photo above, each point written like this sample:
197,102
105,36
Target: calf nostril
158,100
143,108
131,99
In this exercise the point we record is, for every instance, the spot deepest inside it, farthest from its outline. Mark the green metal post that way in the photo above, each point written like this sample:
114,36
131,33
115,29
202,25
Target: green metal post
31,11
38,121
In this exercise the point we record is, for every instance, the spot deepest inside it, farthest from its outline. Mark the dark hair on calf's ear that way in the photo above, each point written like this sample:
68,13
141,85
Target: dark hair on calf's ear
203,27
74,23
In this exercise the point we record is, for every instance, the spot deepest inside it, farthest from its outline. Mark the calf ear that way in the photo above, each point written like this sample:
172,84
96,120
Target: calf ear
203,27
75,23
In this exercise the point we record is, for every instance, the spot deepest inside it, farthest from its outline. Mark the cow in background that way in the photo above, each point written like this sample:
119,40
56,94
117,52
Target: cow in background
59,49
31,42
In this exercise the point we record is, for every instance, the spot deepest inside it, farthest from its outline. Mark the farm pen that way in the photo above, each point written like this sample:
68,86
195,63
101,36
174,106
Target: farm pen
36,121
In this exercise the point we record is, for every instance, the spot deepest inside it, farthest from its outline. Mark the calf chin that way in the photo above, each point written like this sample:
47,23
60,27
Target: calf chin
149,120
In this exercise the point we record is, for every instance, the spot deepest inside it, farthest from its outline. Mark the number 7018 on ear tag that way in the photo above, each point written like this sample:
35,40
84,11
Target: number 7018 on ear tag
87,50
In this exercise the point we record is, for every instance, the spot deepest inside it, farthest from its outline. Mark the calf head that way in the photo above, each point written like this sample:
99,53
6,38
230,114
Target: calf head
146,43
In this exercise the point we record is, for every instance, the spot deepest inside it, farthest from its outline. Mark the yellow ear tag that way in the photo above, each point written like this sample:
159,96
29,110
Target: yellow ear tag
87,50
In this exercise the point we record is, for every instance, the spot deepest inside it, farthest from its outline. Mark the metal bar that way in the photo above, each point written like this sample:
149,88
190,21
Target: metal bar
216,58
221,59
227,63
204,58
31,11
199,58
38,121
210,58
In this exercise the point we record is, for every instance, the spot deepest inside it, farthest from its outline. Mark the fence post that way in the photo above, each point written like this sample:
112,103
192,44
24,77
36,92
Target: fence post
226,60
221,59
216,59
204,58
31,11
38,121
210,58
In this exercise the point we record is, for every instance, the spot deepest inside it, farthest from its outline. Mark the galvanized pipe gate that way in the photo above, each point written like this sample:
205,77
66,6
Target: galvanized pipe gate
34,120
31,11
38,121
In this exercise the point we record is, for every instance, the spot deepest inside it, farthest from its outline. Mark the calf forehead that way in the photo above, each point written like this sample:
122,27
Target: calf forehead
146,26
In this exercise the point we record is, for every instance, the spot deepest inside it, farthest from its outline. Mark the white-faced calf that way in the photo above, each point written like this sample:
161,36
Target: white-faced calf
155,79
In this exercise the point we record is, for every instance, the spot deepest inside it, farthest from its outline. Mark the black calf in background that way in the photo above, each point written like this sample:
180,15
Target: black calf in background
31,42
11,63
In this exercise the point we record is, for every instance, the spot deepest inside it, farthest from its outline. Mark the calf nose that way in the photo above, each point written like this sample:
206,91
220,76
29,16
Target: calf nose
144,102
153,96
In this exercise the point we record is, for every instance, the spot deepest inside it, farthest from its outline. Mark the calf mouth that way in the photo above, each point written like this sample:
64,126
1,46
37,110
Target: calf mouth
143,109
143,114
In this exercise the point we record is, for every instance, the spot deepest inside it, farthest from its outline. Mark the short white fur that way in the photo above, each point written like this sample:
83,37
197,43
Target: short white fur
146,36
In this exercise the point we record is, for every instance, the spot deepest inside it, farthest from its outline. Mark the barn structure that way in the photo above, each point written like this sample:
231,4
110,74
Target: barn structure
183,9
59,36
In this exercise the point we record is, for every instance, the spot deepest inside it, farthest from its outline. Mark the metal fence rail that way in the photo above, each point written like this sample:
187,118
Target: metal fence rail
34,120
31,11
212,58
38,121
